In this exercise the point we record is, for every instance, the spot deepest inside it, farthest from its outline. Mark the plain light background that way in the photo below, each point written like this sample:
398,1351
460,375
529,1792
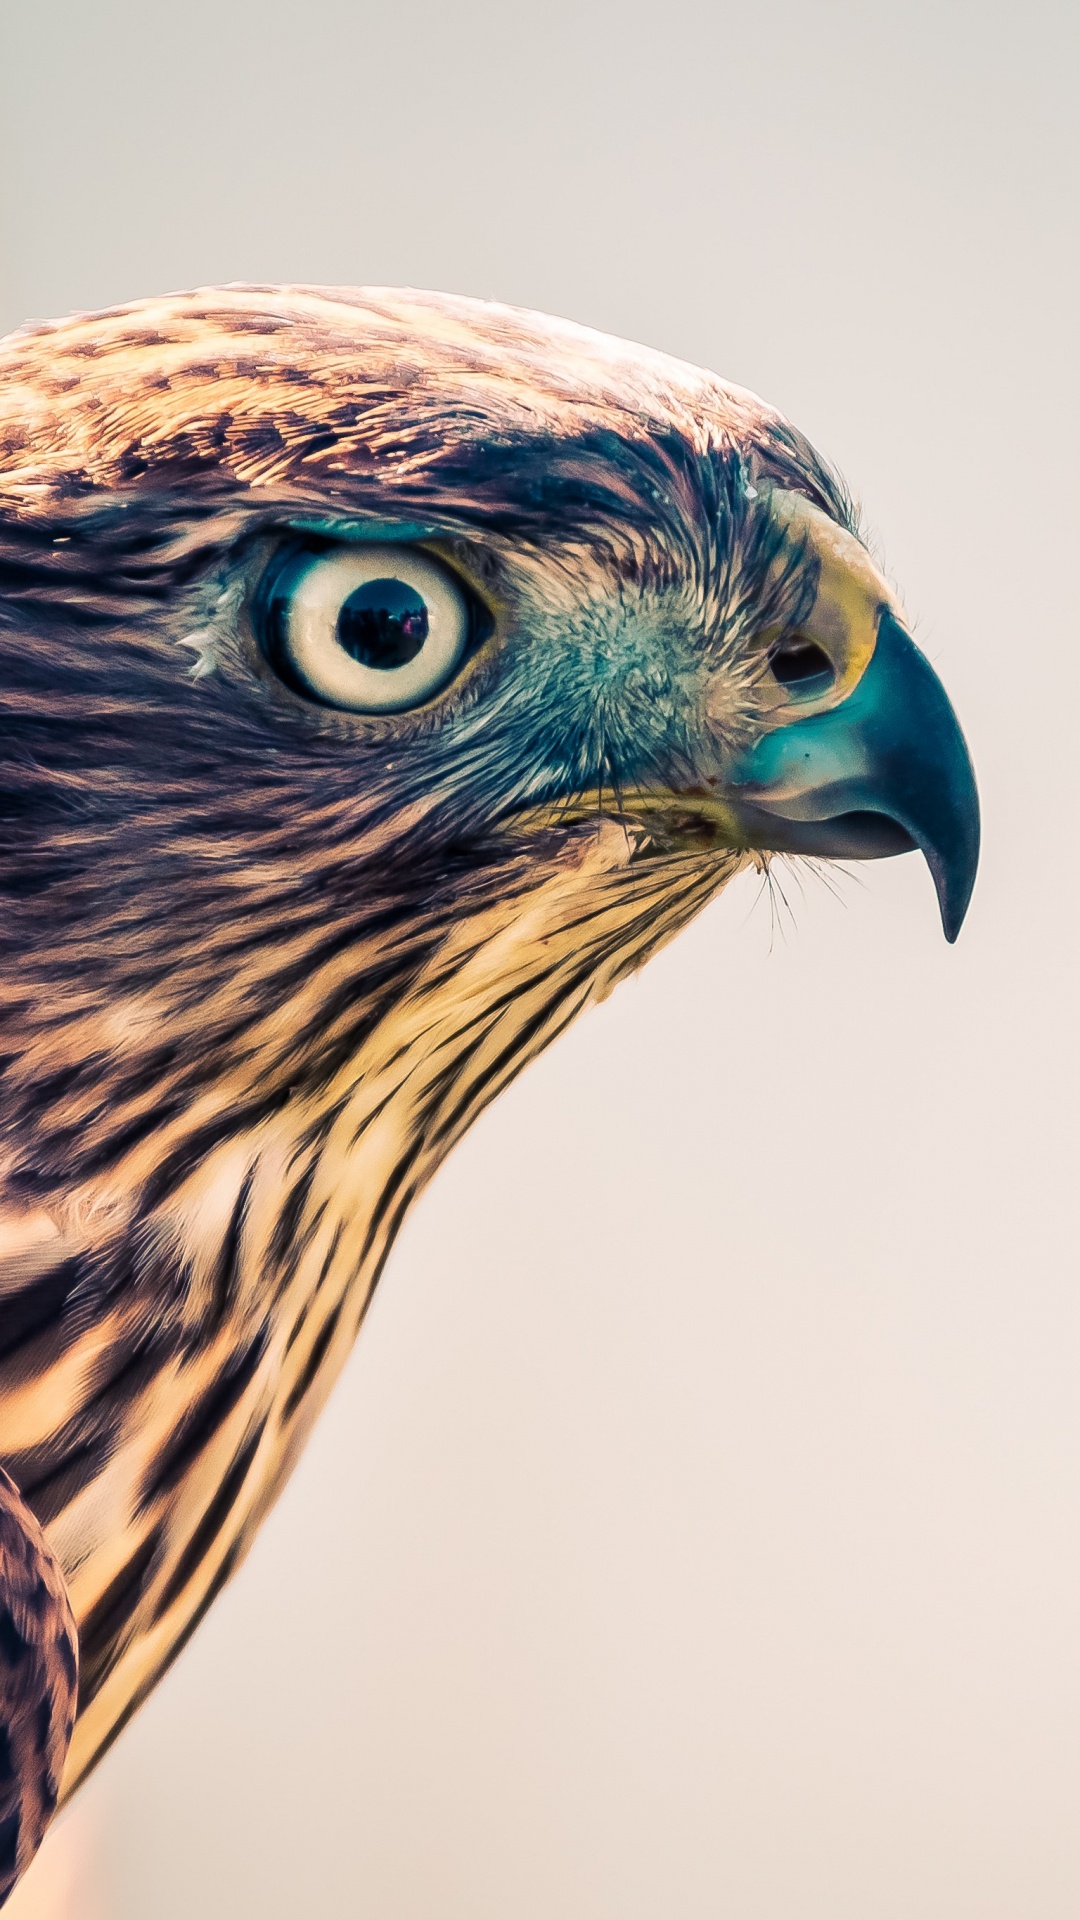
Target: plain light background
696,1530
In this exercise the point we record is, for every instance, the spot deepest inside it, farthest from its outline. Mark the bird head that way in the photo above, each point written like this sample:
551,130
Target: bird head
384,675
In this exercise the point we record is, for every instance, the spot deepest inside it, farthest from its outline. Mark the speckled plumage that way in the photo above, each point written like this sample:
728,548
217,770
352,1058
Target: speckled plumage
38,1676
261,963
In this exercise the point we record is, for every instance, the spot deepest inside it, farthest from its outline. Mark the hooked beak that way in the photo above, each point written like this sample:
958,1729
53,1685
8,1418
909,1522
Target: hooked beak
884,771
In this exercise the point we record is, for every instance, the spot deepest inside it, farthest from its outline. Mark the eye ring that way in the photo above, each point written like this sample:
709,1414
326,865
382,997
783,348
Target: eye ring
373,628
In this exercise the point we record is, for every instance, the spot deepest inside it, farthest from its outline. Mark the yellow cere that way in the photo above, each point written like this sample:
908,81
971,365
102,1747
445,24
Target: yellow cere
851,593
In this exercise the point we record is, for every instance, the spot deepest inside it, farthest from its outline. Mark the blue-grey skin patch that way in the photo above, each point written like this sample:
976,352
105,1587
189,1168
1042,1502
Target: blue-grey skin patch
606,697
361,530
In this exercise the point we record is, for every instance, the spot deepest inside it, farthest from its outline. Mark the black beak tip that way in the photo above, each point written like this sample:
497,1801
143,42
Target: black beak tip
932,783
954,873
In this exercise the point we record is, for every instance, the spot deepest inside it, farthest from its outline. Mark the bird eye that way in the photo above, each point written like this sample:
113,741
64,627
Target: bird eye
374,629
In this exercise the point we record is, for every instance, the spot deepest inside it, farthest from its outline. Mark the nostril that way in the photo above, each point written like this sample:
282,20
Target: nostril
802,665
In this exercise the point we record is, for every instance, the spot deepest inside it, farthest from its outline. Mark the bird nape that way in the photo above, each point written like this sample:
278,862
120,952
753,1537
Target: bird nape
383,676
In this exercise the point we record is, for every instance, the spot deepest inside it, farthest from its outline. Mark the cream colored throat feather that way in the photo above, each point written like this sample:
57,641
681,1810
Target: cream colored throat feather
280,1235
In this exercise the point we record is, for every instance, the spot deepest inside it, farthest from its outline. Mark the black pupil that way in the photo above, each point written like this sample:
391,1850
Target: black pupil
801,664
383,624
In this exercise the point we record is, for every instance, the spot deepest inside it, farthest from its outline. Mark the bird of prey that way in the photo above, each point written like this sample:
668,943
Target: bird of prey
383,676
